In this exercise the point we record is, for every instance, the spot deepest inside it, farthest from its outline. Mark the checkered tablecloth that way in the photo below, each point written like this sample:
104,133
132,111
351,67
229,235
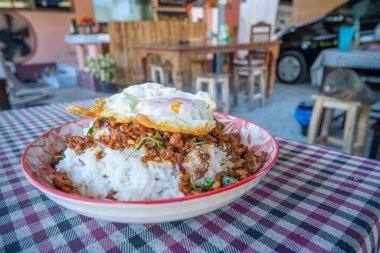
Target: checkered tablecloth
334,58
313,200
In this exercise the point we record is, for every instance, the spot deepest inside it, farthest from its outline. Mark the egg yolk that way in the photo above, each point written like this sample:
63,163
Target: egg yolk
176,106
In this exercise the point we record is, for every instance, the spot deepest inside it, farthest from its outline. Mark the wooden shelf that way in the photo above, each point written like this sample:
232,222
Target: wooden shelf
96,38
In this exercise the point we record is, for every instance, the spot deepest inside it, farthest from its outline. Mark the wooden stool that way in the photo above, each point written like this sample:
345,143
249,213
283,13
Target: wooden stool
211,80
157,73
356,124
161,73
251,73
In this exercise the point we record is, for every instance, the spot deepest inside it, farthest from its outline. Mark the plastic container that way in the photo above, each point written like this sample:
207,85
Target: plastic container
346,35
224,34
303,115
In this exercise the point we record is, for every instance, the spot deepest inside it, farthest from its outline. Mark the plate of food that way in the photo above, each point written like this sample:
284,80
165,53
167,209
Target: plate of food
149,154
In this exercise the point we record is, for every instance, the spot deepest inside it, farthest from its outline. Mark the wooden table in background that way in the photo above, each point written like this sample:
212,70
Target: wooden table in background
180,55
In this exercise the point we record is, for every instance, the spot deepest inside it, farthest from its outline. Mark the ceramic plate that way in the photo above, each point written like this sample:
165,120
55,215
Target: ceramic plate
35,164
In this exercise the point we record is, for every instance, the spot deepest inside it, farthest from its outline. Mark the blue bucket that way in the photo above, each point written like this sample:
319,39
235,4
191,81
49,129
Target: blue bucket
303,115
346,35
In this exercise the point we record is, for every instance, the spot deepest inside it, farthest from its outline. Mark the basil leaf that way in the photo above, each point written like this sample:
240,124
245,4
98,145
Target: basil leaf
90,129
207,184
226,181
193,185
60,156
145,139
130,154
221,124
200,141
103,119
158,142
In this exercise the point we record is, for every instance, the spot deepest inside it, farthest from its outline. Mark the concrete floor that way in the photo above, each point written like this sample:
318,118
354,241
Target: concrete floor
277,116
71,94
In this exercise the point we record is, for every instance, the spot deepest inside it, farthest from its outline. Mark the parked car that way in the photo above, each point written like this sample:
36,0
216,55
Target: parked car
302,43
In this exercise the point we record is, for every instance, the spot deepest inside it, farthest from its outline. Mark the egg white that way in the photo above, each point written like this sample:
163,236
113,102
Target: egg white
159,107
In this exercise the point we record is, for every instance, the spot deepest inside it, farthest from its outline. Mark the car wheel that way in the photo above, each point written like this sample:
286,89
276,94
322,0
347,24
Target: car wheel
291,67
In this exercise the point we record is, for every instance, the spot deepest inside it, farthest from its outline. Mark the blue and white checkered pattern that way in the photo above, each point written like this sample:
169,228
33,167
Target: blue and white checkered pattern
334,58
313,200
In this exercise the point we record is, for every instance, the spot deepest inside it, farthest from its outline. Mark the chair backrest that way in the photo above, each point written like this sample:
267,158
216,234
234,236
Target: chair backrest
260,32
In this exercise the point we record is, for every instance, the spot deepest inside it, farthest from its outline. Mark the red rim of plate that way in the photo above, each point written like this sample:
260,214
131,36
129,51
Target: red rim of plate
147,202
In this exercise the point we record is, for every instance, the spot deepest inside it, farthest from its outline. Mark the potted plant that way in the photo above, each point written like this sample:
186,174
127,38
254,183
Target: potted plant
85,24
104,69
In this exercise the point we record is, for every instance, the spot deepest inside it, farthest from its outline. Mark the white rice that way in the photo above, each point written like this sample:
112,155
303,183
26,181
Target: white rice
132,179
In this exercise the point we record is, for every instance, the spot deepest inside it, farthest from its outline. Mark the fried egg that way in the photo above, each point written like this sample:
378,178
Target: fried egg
156,106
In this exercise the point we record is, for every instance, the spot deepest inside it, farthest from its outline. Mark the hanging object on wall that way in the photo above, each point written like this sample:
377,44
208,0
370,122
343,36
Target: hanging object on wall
18,40
35,5
85,24
54,5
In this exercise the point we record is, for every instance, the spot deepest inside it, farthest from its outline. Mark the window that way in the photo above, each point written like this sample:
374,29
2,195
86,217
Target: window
60,5
16,4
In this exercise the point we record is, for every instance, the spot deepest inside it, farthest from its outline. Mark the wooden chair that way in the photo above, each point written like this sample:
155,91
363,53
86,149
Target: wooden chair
355,126
259,33
157,73
211,80
19,94
260,58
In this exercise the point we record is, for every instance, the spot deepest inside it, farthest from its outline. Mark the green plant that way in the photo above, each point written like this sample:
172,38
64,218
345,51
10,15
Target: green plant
104,69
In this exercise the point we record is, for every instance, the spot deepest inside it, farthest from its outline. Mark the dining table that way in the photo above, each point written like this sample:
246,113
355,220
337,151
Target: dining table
312,200
181,54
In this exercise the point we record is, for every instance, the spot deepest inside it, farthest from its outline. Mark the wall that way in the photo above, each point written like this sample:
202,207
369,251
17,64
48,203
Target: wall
231,16
284,16
252,12
51,28
306,10
124,40
255,11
